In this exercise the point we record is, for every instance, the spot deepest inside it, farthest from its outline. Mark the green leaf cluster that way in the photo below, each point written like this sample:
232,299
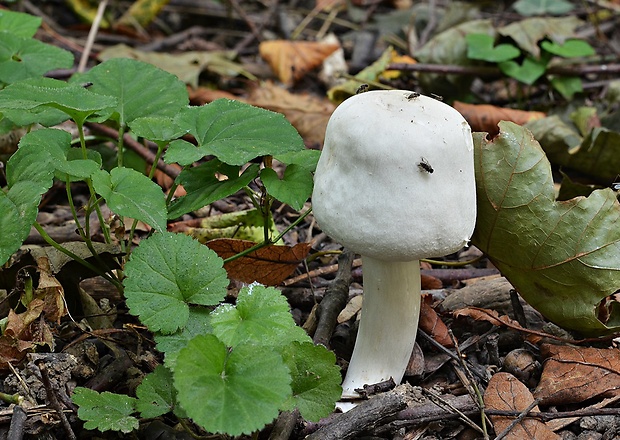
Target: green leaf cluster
234,367
527,60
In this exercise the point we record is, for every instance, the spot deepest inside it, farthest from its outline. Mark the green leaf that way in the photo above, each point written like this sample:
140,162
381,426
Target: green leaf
19,208
156,394
543,7
316,380
568,86
262,316
72,99
572,48
165,274
19,24
562,257
480,47
528,72
105,411
295,187
203,186
236,133
198,323
182,152
304,158
156,128
23,57
132,194
233,391
141,89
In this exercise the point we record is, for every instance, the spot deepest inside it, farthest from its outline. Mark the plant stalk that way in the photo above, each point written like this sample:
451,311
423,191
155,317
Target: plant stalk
388,326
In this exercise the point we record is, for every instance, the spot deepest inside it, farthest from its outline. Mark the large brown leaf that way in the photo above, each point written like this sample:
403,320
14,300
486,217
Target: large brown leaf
506,393
574,374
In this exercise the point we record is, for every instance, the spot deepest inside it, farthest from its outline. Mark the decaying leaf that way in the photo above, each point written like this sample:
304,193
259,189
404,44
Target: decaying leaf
269,265
574,374
506,393
484,117
432,324
562,256
292,60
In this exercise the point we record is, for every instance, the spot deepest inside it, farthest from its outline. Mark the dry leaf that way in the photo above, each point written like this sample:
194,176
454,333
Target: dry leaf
291,60
483,117
432,324
574,374
351,309
307,113
269,265
506,393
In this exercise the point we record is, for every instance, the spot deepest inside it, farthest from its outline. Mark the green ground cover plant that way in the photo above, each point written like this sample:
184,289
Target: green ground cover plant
230,368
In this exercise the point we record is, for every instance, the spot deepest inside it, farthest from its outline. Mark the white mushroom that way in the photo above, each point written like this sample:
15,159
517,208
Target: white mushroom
394,183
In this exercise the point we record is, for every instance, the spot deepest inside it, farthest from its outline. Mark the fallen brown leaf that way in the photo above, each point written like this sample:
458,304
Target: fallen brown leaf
574,374
269,265
483,117
432,324
506,393
292,60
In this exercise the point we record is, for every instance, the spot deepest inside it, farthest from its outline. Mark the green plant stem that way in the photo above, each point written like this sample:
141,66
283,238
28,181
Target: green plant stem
269,241
452,263
15,399
49,240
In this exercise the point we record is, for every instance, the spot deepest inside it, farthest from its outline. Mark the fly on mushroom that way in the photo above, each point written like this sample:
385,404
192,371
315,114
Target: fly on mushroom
425,166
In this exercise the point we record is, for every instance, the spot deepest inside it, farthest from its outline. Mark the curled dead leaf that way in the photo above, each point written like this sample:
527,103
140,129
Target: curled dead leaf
432,324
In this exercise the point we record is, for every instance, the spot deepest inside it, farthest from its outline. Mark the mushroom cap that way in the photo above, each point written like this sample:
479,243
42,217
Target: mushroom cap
395,180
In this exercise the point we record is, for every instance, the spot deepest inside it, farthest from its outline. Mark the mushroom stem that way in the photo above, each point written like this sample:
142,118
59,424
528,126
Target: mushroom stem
387,330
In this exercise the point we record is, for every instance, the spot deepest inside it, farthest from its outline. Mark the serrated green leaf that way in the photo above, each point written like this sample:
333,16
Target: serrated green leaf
105,411
572,48
562,257
72,99
141,89
198,323
19,24
203,186
316,380
156,394
262,316
165,274
156,128
480,47
293,189
236,133
182,152
233,391
132,194
22,58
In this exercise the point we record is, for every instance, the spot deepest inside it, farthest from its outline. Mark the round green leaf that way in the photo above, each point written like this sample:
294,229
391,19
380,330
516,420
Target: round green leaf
233,391
293,189
105,411
316,380
262,316
165,274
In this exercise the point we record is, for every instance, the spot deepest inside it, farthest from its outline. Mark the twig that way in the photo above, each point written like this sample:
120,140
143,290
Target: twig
335,300
284,425
18,419
444,404
92,34
51,395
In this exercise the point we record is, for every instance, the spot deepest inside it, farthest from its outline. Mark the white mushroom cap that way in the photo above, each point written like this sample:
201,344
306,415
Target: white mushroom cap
371,194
